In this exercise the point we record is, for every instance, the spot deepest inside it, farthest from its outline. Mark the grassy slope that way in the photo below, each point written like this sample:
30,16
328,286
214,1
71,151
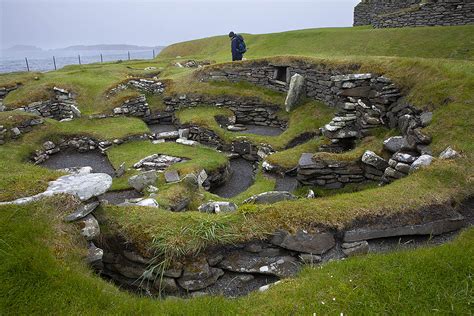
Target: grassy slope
434,42
42,272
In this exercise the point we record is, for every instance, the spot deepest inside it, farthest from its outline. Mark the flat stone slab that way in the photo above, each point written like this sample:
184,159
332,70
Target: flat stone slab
432,228
306,160
82,212
302,241
172,176
81,184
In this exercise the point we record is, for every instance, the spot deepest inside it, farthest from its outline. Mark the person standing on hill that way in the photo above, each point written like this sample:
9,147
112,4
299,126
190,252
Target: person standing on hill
238,46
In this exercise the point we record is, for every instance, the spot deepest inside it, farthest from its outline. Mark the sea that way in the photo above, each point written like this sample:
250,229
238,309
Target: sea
42,61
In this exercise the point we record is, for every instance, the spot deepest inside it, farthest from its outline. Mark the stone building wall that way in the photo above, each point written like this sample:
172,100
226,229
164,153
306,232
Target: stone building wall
246,110
62,106
137,107
409,13
318,82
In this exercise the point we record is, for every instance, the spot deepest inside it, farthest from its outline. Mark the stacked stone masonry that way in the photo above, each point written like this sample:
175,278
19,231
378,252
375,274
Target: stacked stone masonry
246,110
142,85
62,106
410,13
238,269
137,107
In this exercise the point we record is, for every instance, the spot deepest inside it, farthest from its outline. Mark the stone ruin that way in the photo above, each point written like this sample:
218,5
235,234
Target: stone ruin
410,13
61,107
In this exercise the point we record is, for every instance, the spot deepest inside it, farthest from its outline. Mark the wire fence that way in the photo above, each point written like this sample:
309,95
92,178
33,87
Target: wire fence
55,62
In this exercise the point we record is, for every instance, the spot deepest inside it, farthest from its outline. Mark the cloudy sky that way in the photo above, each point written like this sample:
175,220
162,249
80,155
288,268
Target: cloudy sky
60,23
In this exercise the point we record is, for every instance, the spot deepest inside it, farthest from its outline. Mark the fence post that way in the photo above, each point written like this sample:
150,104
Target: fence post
153,54
27,66
101,58
54,62
79,57
128,55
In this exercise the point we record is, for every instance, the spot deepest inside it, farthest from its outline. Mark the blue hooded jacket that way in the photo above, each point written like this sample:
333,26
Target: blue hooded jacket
236,55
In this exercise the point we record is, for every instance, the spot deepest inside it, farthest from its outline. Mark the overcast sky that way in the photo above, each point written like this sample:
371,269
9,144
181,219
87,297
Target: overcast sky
60,23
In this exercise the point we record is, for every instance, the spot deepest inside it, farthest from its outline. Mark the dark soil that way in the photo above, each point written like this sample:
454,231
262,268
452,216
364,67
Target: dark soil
242,177
70,159
262,130
119,197
161,128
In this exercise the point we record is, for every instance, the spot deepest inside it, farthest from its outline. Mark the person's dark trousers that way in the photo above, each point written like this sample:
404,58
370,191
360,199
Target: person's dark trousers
237,57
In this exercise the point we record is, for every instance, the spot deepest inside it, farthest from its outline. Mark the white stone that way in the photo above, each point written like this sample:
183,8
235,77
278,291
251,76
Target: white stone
449,153
187,142
148,202
267,167
421,162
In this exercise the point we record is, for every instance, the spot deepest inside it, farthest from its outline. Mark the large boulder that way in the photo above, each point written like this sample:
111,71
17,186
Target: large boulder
140,181
270,197
302,241
295,92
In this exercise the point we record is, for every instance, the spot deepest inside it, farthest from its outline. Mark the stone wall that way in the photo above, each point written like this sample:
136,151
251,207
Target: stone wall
277,76
409,13
330,174
81,144
137,107
236,270
62,106
143,85
246,110
16,131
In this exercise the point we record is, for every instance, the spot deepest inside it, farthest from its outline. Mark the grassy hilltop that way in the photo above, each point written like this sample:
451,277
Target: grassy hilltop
41,258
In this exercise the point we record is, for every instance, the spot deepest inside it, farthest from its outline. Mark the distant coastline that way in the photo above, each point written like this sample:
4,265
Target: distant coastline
97,47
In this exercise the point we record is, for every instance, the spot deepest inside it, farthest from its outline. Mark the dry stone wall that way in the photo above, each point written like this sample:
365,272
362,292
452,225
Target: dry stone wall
235,270
62,106
137,107
246,110
409,13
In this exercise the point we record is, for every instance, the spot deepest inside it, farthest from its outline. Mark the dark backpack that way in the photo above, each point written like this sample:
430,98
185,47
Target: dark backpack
241,47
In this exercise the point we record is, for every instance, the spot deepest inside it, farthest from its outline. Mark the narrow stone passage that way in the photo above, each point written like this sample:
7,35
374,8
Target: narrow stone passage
241,178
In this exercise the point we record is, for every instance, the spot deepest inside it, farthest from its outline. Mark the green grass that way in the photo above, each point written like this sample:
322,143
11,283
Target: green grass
430,42
42,271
